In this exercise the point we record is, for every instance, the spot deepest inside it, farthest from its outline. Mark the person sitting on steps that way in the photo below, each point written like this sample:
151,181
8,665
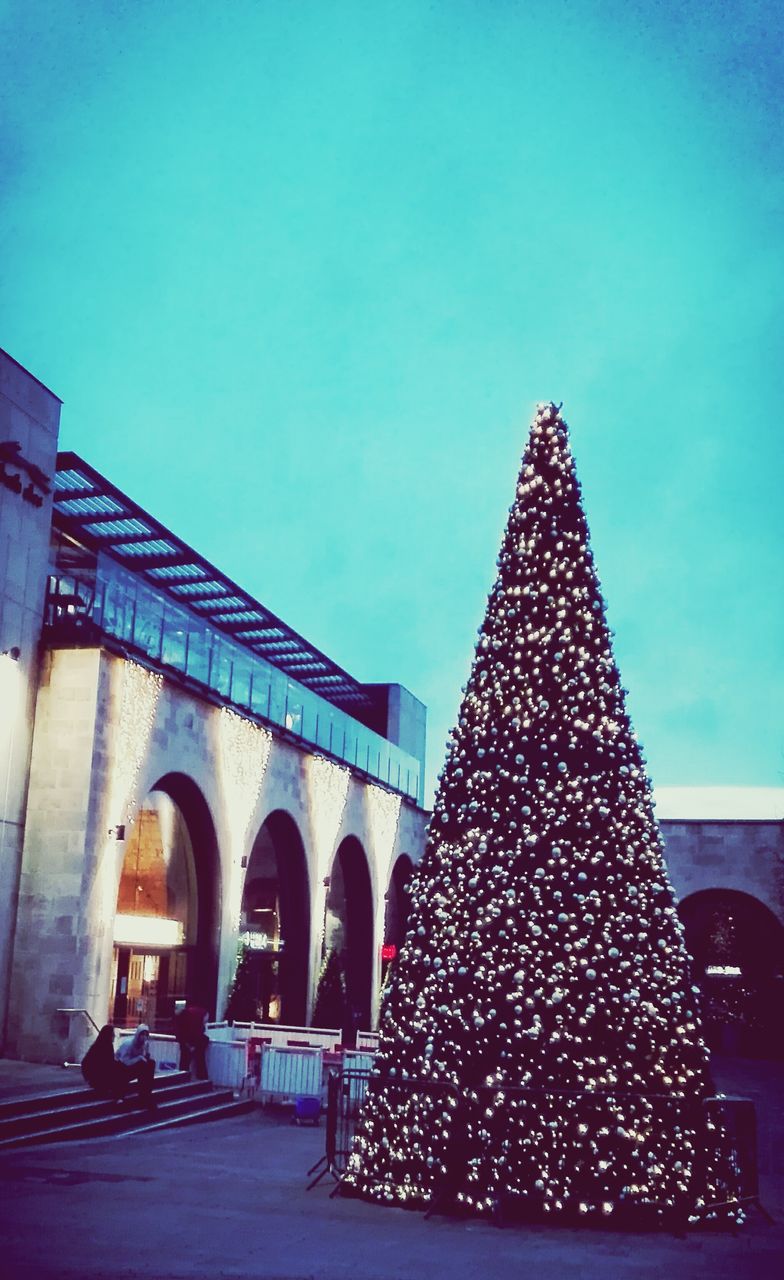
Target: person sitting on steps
133,1057
101,1069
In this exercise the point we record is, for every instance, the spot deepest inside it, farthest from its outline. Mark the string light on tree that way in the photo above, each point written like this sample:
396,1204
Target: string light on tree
542,997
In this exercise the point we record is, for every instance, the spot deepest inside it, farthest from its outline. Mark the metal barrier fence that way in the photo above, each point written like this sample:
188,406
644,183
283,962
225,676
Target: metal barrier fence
227,1063
518,1132
346,1094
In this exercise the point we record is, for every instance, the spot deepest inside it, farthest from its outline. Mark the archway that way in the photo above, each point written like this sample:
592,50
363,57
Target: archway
275,925
398,907
348,931
737,946
167,919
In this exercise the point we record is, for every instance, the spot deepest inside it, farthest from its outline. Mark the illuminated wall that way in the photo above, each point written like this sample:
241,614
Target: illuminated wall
94,761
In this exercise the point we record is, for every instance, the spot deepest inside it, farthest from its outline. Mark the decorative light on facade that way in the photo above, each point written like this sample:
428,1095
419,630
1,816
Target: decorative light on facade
135,704
136,694
327,795
383,817
244,750
383,809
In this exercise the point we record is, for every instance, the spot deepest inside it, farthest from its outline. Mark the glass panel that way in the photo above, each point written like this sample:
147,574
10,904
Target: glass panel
260,700
199,646
240,682
129,609
148,623
174,640
278,698
220,671
296,698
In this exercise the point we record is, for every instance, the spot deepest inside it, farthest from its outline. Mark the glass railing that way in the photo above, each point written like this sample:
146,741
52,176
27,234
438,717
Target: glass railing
119,604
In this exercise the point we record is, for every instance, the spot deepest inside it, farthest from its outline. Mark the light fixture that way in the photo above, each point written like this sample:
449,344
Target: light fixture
151,931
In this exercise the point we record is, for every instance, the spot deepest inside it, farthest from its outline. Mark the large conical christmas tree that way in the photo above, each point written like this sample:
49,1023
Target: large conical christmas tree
540,1040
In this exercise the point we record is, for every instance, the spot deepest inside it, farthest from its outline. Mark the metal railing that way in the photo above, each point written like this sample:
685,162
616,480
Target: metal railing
116,603
346,1094
69,1013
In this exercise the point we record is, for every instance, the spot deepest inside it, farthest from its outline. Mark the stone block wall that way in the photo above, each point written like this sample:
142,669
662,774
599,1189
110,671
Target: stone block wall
743,855
107,732
29,418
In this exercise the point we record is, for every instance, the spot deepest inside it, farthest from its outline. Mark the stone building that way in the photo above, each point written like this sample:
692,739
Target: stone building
185,774
725,855
184,777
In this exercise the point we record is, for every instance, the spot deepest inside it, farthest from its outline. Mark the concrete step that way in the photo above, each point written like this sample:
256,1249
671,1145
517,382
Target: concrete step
29,1103
67,1110
218,1111
177,1103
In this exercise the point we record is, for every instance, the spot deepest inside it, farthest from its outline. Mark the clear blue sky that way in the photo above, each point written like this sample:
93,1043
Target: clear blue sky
300,271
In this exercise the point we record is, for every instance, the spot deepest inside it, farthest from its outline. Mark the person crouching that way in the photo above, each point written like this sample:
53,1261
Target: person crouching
133,1056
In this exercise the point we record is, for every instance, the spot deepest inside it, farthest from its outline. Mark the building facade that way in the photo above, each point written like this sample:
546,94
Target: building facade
185,781
188,779
725,855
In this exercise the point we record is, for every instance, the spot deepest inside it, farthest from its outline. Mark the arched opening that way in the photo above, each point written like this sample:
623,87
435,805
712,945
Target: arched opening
348,931
737,946
275,926
398,907
166,923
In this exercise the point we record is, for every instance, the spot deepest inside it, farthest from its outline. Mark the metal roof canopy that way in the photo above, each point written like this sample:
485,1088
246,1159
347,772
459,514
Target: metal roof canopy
97,514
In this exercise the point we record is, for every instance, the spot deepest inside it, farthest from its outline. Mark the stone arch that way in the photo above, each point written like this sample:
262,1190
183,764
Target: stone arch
348,928
737,948
275,920
398,905
173,841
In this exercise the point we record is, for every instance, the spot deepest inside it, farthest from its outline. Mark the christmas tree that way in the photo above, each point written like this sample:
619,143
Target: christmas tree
329,1009
540,1043
242,1005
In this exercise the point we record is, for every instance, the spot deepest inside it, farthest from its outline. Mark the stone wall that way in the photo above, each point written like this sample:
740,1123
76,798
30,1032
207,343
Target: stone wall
107,731
743,855
29,418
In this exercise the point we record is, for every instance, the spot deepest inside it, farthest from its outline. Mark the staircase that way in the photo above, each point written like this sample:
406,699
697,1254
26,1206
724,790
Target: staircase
77,1113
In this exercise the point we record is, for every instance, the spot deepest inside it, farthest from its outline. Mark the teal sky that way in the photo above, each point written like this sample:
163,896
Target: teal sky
300,272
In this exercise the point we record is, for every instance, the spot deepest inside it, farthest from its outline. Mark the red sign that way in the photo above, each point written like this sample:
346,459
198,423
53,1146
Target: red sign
388,951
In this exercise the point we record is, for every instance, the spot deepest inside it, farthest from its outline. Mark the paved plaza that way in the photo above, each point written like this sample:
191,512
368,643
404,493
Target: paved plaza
230,1200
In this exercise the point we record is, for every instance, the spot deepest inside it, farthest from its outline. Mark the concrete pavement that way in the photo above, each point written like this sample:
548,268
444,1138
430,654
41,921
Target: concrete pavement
230,1200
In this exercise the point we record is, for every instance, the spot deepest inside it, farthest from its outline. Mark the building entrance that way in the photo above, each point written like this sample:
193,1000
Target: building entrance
157,913
145,985
274,929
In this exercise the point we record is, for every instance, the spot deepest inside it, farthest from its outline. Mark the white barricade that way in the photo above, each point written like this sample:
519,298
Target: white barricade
165,1051
281,1037
358,1060
288,1073
227,1063
368,1040
220,1031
